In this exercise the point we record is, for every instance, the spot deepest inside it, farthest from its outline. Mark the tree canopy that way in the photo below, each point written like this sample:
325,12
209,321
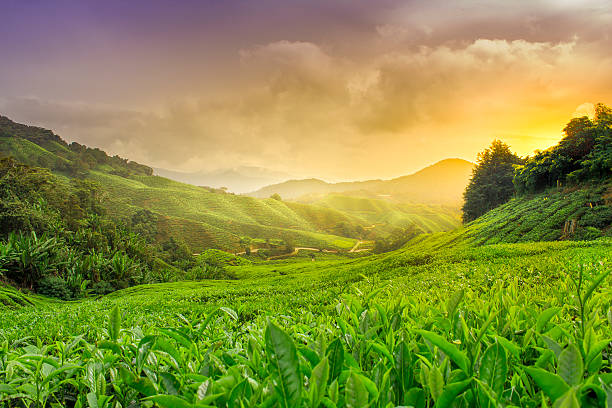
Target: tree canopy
584,153
491,182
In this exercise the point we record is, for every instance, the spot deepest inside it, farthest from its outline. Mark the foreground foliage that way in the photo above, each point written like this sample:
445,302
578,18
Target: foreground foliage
509,325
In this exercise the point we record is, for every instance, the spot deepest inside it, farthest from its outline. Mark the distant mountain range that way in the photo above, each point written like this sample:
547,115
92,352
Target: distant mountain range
242,179
440,183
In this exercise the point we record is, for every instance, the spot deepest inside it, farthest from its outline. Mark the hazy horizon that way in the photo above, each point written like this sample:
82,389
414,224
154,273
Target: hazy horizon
332,90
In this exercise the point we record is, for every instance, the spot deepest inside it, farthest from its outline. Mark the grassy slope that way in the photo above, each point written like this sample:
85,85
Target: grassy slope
542,217
206,219
428,218
28,152
299,285
429,267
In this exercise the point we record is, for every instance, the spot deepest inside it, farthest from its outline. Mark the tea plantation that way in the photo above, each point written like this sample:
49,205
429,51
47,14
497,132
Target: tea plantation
499,325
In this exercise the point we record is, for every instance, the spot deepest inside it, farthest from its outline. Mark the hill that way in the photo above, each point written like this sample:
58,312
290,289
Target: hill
383,214
241,179
440,183
201,217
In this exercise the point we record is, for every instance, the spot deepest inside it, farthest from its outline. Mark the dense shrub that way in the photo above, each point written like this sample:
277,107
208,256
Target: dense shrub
587,234
102,288
54,286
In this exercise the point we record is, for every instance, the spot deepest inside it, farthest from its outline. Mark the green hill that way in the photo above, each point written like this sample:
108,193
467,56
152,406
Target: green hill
203,217
382,214
220,220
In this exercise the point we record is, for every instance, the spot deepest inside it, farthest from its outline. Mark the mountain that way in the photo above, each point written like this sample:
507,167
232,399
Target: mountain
238,180
440,183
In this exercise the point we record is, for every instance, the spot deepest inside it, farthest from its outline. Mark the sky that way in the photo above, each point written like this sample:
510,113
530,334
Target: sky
342,90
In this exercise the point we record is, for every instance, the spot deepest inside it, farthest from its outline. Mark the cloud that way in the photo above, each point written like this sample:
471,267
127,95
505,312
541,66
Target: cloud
305,107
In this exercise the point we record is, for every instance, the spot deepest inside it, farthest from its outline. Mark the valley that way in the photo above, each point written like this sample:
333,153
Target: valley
120,288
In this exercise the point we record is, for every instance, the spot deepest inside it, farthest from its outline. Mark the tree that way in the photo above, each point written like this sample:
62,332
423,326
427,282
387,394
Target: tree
276,197
491,182
584,153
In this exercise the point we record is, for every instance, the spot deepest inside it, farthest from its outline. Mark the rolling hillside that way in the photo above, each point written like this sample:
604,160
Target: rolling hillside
204,218
380,213
440,183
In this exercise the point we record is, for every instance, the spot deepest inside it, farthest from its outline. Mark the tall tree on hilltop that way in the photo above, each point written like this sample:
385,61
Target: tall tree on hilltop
491,182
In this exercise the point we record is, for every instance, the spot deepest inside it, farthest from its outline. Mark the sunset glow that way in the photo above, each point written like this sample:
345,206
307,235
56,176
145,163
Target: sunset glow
338,90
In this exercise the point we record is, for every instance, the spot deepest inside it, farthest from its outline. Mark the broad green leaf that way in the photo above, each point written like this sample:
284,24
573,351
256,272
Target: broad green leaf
451,392
327,403
553,345
92,400
167,347
170,401
415,397
545,317
596,282
171,384
318,381
435,382
570,365
403,367
567,400
335,354
596,350
230,312
369,385
550,383
233,401
114,324
486,395
494,368
284,361
449,349
355,393
509,346
453,302
382,349
7,389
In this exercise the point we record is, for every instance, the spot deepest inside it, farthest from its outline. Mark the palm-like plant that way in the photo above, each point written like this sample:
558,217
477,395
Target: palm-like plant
34,257
122,266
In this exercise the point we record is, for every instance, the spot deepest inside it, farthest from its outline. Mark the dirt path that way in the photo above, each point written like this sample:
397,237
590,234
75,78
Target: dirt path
354,249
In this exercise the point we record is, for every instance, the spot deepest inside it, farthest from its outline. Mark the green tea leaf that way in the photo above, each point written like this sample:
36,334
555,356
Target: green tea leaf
449,349
284,360
453,302
335,354
451,392
550,383
545,317
568,400
403,366
570,365
355,393
170,401
494,368
436,383
318,381
114,324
